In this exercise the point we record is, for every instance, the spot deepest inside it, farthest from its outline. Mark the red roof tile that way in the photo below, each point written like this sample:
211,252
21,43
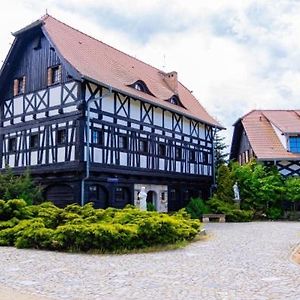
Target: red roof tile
95,60
262,136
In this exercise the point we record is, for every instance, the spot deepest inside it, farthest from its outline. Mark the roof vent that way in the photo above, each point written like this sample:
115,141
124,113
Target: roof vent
171,80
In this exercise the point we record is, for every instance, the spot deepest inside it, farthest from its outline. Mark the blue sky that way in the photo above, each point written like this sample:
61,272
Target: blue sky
234,55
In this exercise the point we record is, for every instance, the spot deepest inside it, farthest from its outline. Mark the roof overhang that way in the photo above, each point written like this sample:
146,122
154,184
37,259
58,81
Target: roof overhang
33,25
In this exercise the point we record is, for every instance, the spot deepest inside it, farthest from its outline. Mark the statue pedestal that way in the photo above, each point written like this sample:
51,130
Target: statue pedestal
237,202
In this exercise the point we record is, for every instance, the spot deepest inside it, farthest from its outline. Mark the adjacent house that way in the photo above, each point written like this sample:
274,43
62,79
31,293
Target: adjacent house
269,136
96,124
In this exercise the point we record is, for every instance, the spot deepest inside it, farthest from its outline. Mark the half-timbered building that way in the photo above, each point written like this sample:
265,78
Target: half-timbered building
269,136
95,124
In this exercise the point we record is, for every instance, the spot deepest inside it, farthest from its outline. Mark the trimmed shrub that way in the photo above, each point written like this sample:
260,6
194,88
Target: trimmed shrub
78,228
233,214
274,213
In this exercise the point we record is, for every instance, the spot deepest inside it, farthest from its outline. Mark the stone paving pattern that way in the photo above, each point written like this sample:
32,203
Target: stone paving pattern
240,261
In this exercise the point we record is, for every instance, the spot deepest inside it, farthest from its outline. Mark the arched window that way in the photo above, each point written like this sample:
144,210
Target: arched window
139,86
174,100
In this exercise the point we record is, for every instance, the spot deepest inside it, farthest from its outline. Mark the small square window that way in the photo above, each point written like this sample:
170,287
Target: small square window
12,144
123,142
161,149
97,137
19,86
34,141
54,75
143,146
178,153
61,136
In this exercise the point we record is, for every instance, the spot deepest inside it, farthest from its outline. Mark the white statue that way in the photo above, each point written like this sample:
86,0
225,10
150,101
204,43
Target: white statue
236,192
142,197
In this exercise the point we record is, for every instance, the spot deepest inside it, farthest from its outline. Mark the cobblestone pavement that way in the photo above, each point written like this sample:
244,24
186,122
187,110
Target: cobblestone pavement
241,261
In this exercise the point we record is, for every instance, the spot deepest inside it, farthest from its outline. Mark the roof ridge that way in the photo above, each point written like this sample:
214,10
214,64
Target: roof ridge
46,16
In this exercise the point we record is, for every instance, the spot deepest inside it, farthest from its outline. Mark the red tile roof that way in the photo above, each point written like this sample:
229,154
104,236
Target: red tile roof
97,61
262,136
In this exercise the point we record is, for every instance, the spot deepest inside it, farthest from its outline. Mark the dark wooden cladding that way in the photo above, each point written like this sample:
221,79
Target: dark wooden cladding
33,63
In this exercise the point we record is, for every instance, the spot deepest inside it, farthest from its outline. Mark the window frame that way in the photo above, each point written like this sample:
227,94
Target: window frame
160,147
99,137
294,143
124,143
145,148
58,138
32,138
11,149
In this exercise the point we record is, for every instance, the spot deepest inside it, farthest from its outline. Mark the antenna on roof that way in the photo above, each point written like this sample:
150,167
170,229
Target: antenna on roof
164,62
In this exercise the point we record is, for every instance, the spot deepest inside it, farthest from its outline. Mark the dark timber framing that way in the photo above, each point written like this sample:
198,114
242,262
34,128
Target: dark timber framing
185,166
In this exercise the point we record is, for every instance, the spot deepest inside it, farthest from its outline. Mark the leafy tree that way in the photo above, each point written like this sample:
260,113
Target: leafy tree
225,184
293,190
260,187
22,187
219,148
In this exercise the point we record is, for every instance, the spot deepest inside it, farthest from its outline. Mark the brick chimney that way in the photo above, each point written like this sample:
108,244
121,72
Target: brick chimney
171,80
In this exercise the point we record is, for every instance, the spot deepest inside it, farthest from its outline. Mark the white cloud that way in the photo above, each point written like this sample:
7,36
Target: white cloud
234,55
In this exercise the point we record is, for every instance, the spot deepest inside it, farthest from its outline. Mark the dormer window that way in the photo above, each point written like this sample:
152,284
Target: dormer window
294,144
141,87
138,86
174,100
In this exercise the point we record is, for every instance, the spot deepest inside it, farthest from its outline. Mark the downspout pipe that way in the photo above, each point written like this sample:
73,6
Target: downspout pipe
88,142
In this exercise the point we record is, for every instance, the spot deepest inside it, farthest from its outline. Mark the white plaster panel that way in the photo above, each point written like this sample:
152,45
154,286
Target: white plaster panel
157,117
11,160
135,110
201,131
55,96
123,159
34,155
168,120
186,126
98,155
161,164
108,104
18,106
143,161
61,154
70,108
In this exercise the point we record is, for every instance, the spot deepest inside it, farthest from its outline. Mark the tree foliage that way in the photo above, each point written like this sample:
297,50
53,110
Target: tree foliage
219,148
21,187
225,182
260,187
293,190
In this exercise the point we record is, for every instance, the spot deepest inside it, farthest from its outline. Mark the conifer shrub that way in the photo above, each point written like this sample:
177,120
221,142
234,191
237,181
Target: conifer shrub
196,208
77,228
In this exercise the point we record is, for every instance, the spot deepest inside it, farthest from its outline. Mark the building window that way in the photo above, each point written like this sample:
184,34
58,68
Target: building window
294,142
161,149
178,153
19,86
12,144
205,157
34,141
174,100
97,137
54,75
143,146
138,86
192,156
61,137
120,194
123,142
93,188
